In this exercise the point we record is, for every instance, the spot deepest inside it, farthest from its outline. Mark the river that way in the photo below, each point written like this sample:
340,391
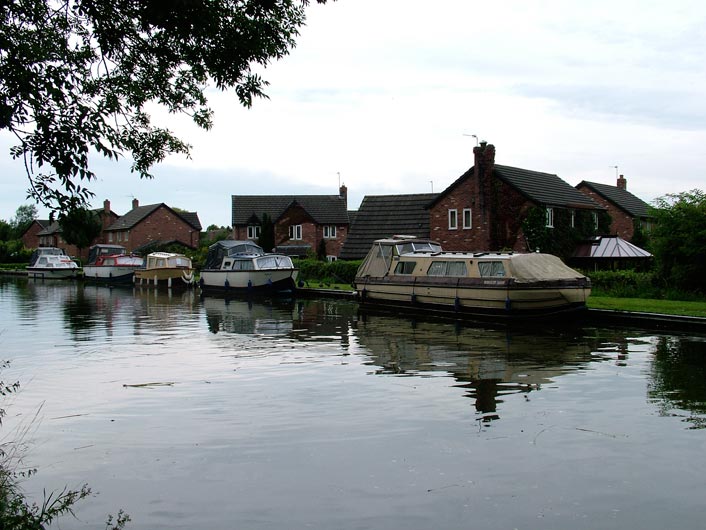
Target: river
309,414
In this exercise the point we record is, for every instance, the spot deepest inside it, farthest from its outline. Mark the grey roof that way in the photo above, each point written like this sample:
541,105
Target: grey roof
609,247
323,209
544,189
381,216
137,215
51,227
623,199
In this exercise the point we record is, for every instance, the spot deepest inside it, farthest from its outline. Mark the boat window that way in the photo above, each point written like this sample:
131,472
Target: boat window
109,261
405,267
447,268
243,265
182,262
384,251
491,268
227,264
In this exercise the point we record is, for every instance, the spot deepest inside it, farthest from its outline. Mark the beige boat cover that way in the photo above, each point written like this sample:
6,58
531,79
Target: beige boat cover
535,266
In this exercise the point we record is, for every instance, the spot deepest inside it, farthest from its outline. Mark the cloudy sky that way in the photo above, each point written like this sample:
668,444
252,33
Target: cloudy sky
385,95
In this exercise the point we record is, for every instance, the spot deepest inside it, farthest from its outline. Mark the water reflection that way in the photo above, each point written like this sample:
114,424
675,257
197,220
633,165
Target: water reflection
489,363
678,383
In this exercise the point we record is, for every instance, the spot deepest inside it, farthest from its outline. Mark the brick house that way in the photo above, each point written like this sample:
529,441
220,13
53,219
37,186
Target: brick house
381,216
301,222
30,237
625,209
484,208
154,224
50,236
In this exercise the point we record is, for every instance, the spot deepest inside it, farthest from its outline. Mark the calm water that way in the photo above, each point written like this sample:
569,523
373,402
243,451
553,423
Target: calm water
191,413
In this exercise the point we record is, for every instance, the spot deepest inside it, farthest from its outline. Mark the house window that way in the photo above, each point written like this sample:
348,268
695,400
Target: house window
120,236
126,235
329,231
467,222
453,219
253,231
573,218
295,231
550,217
595,220
110,237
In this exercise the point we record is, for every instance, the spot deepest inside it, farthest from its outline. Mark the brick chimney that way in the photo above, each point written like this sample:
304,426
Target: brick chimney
484,162
135,203
106,206
343,193
622,183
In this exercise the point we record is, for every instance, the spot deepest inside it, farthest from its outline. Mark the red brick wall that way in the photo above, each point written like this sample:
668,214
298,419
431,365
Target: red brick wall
497,210
621,224
161,225
30,239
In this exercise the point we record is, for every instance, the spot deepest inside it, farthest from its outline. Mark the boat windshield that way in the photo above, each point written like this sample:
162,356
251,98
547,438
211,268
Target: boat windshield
274,262
418,246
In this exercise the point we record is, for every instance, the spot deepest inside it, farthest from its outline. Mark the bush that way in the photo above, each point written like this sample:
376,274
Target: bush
634,284
313,270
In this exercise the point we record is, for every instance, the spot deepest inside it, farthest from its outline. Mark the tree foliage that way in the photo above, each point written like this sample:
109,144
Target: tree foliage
79,77
678,239
267,233
80,226
562,238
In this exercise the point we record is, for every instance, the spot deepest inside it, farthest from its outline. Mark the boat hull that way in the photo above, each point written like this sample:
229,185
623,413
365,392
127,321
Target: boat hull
477,298
109,274
224,281
41,273
165,277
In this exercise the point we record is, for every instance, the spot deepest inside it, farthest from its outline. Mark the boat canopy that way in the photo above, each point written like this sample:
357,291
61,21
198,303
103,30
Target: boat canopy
45,251
536,267
104,250
230,248
378,260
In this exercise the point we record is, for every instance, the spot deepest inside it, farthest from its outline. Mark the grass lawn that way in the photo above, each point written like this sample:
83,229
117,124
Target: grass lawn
646,305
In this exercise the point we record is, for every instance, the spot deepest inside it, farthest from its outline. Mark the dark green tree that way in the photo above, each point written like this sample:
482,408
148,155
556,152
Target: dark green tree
80,226
321,250
267,233
678,240
77,77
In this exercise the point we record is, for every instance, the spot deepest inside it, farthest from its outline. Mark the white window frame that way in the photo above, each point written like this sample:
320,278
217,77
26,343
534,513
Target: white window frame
595,220
453,219
573,218
253,231
329,231
110,237
127,233
295,232
550,217
467,216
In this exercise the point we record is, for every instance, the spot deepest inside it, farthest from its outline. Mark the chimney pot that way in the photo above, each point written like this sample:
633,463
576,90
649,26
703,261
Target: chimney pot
622,183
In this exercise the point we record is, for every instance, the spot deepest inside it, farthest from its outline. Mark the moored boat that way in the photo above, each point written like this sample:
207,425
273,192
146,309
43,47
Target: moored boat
111,264
415,273
166,269
52,263
243,266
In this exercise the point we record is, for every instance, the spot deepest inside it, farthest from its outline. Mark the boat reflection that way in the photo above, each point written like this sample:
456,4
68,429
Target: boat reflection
488,363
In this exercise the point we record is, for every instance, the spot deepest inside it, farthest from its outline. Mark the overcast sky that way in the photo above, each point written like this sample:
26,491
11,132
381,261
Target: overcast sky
384,95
